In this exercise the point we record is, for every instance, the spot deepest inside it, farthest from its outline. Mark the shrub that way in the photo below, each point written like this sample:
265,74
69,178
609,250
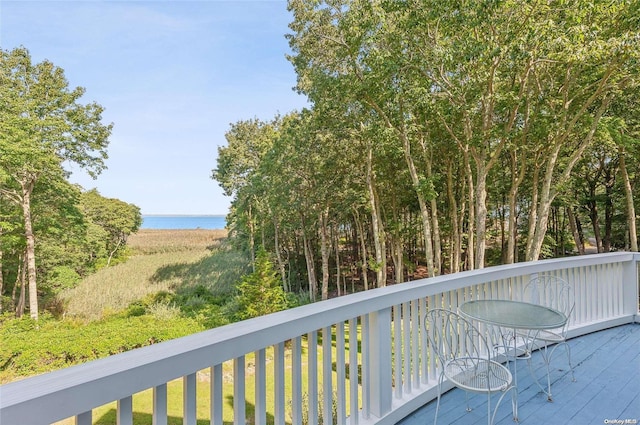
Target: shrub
260,292
30,347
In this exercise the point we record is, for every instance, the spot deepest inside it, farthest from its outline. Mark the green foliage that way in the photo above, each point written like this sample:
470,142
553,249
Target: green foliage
30,348
64,277
260,292
115,221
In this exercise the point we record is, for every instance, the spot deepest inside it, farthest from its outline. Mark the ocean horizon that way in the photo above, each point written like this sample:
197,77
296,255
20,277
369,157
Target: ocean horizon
183,221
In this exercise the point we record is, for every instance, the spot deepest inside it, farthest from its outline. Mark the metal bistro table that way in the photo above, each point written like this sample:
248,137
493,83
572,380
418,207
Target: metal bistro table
515,315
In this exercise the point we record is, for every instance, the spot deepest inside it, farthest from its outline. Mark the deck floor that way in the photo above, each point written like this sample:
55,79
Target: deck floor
606,391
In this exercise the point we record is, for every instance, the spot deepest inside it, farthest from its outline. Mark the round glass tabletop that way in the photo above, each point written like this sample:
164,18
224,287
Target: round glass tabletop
513,314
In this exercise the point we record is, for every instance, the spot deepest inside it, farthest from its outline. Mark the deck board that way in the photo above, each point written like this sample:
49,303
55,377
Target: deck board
607,370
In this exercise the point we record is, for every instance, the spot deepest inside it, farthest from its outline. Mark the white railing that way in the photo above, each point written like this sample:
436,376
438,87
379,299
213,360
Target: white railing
370,365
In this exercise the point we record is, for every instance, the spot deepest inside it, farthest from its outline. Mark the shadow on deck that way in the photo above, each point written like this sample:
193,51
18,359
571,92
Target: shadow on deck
606,391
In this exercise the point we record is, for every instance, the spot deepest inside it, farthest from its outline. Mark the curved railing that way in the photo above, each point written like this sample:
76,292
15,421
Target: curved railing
369,363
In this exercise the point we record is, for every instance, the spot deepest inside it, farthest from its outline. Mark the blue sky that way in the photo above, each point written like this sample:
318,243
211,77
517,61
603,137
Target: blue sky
172,76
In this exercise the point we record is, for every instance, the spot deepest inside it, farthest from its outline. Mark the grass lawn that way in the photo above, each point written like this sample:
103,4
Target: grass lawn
143,402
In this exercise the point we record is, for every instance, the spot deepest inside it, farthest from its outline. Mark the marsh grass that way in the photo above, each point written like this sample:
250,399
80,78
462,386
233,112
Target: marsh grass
161,260
151,241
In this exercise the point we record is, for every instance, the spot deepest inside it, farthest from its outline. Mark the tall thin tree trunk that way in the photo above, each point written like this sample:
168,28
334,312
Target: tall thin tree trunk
252,248
574,230
363,249
325,245
336,241
631,212
533,212
437,243
512,230
424,211
453,217
21,282
30,252
481,214
471,264
281,265
311,268
1,277
378,229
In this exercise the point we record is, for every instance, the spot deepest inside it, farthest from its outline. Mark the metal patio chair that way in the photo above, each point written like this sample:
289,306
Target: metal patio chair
464,358
553,292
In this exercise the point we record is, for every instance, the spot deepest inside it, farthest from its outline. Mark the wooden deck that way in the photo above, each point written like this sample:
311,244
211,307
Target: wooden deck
606,391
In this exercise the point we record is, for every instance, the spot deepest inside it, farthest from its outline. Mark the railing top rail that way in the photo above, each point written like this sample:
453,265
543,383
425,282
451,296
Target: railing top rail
155,365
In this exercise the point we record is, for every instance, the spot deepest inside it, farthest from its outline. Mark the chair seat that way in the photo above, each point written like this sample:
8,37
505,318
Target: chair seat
478,375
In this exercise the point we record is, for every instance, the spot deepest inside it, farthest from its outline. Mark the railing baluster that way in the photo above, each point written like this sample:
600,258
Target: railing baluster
279,383
261,387
216,395
353,372
380,362
84,418
424,364
366,386
125,411
397,349
160,405
406,346
312,389
189,399
341,375
415,342
296,378
431,357
239,394
327,376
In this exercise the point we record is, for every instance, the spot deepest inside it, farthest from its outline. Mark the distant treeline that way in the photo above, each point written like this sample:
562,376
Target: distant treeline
442,136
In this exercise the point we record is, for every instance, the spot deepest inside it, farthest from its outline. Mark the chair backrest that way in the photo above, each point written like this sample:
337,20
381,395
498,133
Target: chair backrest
451,336
550,291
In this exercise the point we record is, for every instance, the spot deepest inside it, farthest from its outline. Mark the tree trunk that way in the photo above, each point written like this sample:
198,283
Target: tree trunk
21,280
30,251
311,268
324,251
608,215
363,249
471,263
543,207
378,229
512,230
437,244
336,242
424,212
631,212
281,265
453,217
481,213
547,195
577,238
533,212
252,231
1,277
112,253
593,215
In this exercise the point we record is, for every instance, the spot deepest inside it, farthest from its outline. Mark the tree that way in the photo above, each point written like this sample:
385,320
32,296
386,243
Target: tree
260,291
118,219
43,126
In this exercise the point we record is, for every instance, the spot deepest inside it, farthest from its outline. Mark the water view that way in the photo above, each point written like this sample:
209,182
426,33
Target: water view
183,222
